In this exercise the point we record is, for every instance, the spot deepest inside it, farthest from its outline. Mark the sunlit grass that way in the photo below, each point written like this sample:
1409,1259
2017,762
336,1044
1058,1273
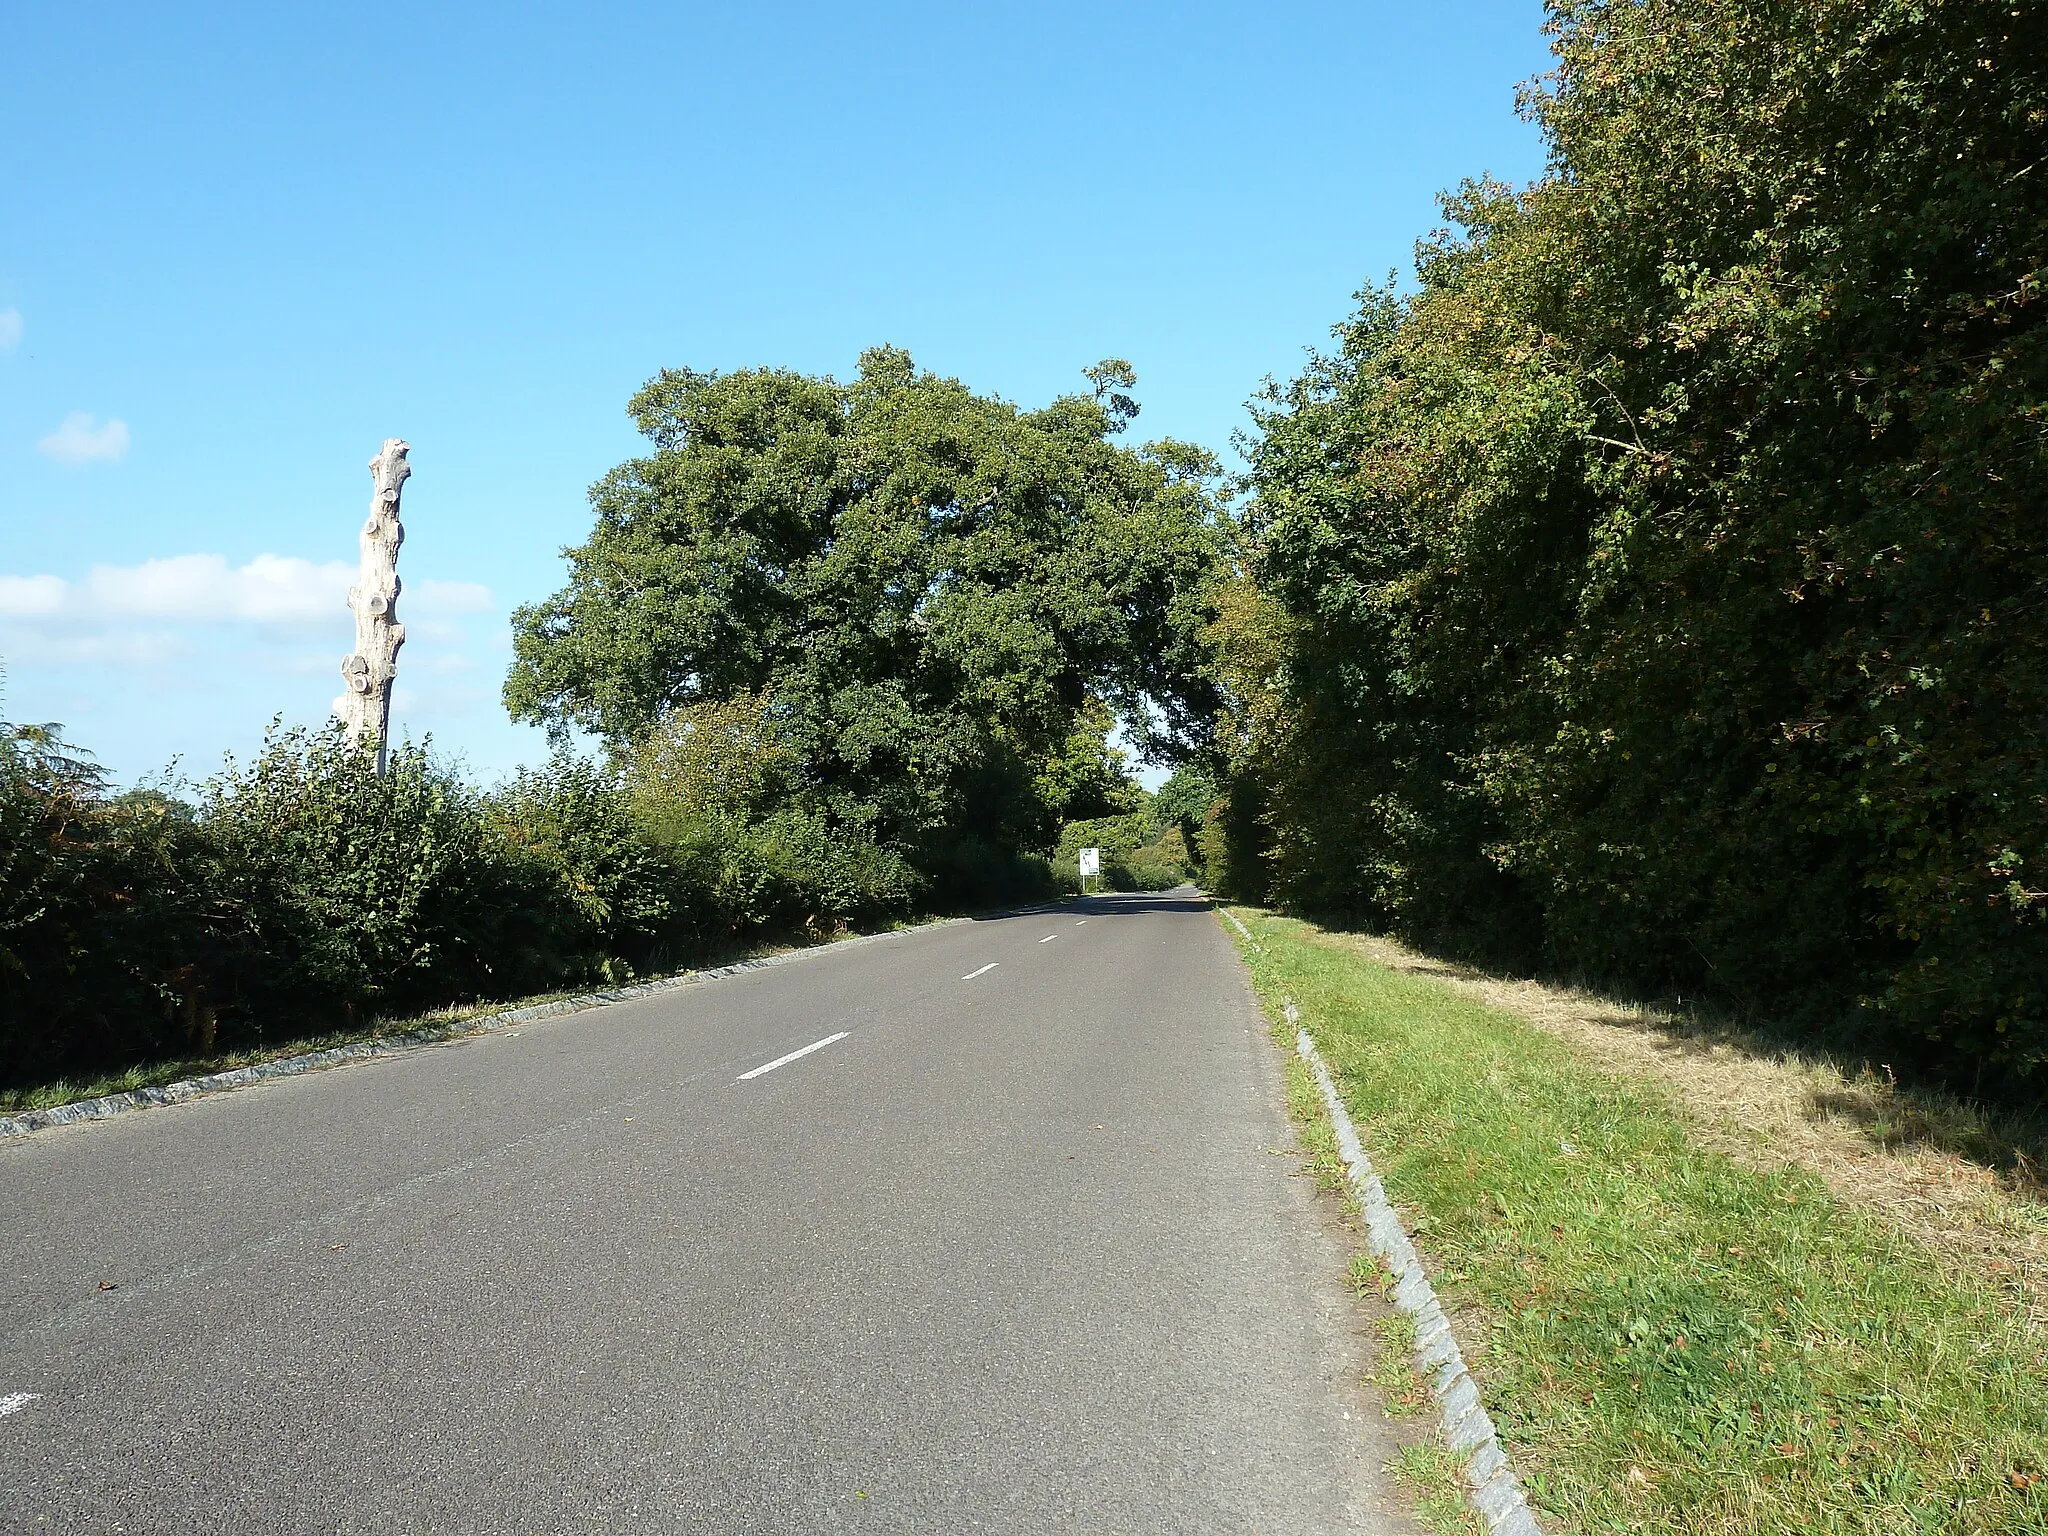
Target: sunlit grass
1673,1341
1435,1481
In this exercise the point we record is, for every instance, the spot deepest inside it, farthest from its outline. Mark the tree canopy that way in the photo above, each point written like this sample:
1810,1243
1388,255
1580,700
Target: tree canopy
1657,588
930,590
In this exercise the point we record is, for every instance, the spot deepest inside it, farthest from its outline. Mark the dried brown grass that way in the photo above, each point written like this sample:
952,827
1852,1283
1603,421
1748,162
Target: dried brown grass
1962,1179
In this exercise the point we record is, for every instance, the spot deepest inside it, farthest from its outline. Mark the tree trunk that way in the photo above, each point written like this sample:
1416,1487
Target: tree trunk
365,704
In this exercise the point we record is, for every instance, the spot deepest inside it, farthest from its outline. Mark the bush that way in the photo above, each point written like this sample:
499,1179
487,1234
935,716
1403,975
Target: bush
1139,853
599,895
110,924
1182,804
836,878
974,874
1659,583
305,891
360,893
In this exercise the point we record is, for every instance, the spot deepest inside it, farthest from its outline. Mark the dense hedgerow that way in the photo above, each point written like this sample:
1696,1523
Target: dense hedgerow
304,891
1657,590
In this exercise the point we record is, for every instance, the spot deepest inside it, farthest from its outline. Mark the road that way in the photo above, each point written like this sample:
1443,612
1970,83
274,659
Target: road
1021,1250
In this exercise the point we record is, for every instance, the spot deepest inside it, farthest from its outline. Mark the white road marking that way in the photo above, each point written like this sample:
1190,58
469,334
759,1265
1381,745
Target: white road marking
983,971
14,1402
1079,921
783,1061
1048,938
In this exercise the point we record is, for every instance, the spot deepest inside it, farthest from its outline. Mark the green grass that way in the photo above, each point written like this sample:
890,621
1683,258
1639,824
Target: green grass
1425,1469
1435,1481
1673,1342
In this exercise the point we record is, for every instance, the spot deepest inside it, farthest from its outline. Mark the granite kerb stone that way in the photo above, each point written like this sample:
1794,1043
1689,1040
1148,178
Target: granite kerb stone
1469,1430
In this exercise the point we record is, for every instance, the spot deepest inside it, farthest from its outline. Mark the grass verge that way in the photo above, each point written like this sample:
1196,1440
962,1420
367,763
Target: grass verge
1670,1340
1965,1179
1423,1468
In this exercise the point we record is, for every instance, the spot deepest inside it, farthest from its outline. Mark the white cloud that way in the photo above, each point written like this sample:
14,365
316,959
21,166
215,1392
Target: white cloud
270,589
10,328
31,597
77,440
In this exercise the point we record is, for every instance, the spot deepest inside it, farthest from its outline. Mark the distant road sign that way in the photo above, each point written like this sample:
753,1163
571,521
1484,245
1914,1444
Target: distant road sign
1091,861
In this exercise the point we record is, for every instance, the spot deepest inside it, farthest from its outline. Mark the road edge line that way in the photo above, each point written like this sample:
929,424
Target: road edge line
12,1127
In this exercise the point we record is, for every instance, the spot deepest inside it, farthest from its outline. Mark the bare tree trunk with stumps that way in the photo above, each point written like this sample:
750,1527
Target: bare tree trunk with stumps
365,704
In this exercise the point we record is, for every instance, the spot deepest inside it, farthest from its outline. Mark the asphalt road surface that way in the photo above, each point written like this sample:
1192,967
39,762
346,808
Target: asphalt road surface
1021,1249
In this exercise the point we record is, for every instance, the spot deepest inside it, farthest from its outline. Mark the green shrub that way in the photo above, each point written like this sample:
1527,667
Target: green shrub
836,879
713,783
606,897
1183,803
110,924
1142,875
974,874
1659,583
365,893
1114,835
303,892
1138,852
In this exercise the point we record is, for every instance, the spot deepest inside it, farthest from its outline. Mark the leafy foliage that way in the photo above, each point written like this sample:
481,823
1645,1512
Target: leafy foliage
304,890
1657,586
715,757
930,601
366,888
1183,801
1142,849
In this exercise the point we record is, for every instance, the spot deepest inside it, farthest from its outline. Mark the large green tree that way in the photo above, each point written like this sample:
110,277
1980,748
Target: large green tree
1662,579
931,589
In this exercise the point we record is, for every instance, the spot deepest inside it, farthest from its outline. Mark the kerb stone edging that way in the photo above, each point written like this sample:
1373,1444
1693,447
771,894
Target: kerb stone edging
393,1045
1468,1428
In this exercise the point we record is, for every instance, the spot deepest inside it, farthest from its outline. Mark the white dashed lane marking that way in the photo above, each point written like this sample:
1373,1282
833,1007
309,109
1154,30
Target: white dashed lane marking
1048,938
783,1061
14,1402
983,971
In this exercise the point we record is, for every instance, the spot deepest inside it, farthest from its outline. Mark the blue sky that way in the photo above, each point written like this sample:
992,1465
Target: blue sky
242,247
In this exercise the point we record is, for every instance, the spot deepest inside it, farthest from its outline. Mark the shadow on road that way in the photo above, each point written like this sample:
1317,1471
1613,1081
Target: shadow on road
1116,904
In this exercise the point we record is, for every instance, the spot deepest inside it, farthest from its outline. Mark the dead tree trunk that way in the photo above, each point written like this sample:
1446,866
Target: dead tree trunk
365,704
